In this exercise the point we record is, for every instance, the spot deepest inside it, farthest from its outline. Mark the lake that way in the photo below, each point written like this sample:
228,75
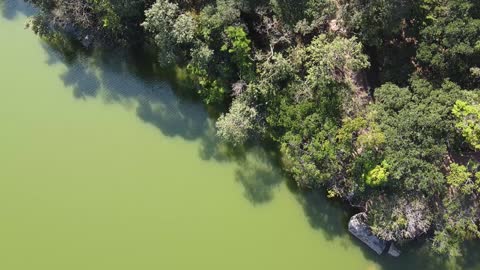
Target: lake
107,164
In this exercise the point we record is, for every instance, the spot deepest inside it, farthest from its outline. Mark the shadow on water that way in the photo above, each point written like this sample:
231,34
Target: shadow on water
163,99
259,173
10,9
329,217
160,99
83,81
116,78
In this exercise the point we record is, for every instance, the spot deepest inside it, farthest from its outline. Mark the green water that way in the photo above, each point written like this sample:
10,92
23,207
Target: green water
103,165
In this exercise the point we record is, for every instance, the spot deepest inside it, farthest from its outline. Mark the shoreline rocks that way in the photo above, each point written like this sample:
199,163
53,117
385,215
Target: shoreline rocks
359,228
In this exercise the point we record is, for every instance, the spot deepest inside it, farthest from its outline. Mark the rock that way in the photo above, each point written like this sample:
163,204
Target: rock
361,230
393,251
358,227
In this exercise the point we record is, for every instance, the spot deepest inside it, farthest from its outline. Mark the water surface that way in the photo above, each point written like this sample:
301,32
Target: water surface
105,164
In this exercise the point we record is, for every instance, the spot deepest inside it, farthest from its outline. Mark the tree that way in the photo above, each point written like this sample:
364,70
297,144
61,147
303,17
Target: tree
159,21
236,126
213,19
374,21
449,45
184,29
460,178
108,16
468,122
397,218
459,220
90,22
238,45
378,175
418,129
305,116
333,60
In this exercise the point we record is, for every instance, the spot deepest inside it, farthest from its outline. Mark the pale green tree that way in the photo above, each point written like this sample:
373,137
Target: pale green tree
159,21
236,126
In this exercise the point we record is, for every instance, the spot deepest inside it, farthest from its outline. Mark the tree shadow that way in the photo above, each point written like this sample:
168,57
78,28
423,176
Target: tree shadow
118,77
212,148
83,80
164,99
159,99
471,258
10,9
258,170
259,175
328,216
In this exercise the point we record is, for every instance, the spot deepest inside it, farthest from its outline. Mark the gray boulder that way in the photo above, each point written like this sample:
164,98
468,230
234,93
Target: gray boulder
359,228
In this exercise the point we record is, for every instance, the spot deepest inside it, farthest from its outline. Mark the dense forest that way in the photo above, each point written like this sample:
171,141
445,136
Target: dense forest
375,101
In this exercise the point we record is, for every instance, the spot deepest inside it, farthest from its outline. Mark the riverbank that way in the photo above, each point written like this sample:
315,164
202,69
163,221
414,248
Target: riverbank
106,166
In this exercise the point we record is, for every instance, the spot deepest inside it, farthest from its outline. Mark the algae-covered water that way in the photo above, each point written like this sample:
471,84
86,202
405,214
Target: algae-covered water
106,165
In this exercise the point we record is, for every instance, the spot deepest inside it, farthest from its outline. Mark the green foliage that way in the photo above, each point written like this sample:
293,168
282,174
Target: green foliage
447,242
397,218
104,22
39,25
346,134
468,122
159,21
448,42
329,61
461,178
237,124
273,75
214,18
184,29
458,175
375,20
201,56
418,128
210,89
238,45
306,16
109,17
378,175
458,222
306,116
372,138
316,15
312,163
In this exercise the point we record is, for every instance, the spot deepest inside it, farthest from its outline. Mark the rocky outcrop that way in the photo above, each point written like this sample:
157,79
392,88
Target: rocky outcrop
359,228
